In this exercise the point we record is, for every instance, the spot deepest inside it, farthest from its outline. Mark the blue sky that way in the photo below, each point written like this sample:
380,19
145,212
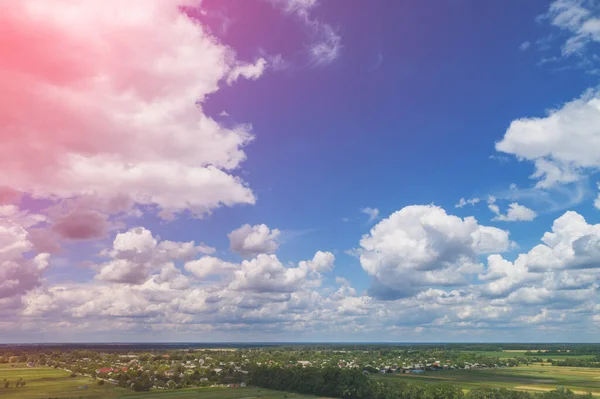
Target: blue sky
311,112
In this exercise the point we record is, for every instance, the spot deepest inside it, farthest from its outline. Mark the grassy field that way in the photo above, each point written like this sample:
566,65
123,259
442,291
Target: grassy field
529,378
44,383
216,393
521,353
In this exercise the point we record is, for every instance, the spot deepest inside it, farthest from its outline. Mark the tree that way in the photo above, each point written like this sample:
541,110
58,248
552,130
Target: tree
7,384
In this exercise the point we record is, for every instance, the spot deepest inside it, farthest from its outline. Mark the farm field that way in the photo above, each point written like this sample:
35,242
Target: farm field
45,382
521,353
216,393
526,378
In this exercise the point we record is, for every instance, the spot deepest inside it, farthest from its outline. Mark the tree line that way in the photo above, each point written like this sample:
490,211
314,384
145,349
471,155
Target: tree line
353,384
592,362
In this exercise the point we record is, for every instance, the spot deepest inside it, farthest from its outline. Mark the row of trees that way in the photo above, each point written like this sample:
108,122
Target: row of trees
353,384
593,362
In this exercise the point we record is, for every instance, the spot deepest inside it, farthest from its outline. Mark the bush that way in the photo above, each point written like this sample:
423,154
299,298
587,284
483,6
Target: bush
100,382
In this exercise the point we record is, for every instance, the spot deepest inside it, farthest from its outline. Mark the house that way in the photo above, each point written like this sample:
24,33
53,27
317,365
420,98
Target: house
104,370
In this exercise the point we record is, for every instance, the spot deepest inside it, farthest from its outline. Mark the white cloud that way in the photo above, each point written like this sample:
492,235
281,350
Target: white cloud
136,254
252,240
209,265
327,43
568,259
265,273
462,202
328,47
503,277
248,71
373,213
19,271
421,246
515,213
580,22
561,145
322,262
524,46
133,75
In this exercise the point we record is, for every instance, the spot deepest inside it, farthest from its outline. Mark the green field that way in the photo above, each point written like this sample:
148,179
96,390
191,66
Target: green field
43,383
513,354
216,393
529,378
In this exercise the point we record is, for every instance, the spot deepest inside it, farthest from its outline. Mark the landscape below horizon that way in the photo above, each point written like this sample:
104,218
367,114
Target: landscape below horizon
302,371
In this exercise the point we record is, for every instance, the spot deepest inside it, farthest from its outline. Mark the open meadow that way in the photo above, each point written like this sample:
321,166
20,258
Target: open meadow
521,353
527,378
46,382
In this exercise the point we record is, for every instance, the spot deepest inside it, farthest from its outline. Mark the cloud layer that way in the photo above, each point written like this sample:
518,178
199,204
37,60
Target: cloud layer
114,106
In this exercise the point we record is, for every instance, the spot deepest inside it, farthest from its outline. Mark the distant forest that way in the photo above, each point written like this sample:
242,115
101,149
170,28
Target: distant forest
353,384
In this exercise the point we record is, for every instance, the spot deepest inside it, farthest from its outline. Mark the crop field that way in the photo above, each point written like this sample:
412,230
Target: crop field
216,393
526,378
45,382
521,353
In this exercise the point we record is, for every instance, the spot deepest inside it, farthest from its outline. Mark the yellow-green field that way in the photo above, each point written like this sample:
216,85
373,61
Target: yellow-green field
44,383
527,378
521,353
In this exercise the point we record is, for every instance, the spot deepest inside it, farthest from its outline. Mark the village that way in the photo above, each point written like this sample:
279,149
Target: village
230,368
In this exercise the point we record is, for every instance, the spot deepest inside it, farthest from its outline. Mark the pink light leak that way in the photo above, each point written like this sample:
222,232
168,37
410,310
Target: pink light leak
100,97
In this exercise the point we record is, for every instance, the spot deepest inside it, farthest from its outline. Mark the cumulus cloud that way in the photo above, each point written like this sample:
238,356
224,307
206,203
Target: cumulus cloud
572,243
322,262
562,144
266,273
503,277
132,76
420,246
568,260
136,254
372,213
209,266
262,294
515,213
81,224
19,272
252,240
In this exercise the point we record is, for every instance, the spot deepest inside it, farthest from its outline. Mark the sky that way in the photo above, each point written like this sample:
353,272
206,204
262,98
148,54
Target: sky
299,170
